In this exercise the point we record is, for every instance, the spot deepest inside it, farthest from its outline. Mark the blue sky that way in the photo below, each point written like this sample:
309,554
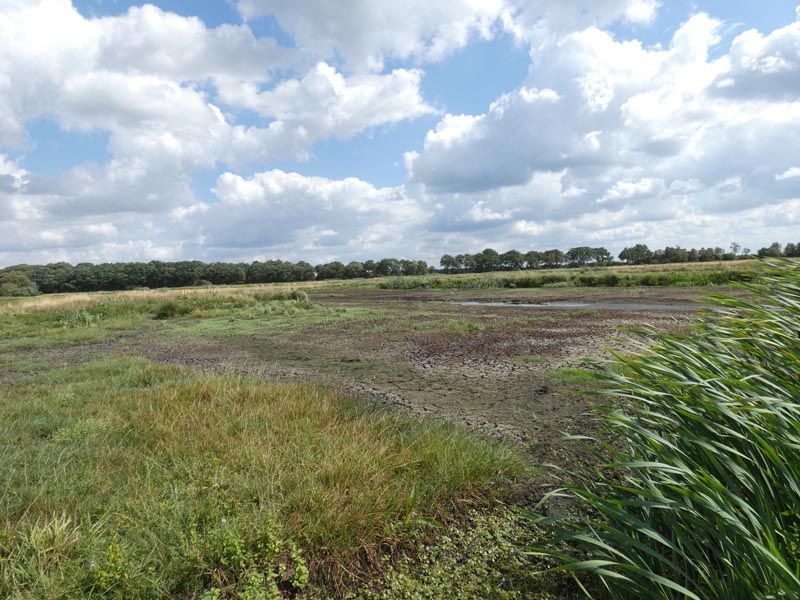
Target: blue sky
274,128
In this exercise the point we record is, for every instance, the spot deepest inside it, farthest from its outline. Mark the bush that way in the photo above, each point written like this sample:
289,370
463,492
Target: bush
16,283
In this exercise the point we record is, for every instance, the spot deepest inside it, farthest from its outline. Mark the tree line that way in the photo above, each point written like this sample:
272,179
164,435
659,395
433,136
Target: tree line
88,277
582,256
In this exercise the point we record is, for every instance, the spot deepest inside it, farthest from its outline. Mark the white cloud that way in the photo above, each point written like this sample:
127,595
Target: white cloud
366,32
634,136
327,104
288,212
764,66
790,173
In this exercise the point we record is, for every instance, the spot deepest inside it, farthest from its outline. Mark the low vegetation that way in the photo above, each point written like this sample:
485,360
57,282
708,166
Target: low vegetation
666,275
86,277
703,499
123,478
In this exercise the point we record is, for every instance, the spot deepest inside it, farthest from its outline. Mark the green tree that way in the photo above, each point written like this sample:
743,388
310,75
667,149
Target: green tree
513,260
17,283
772,251
639,254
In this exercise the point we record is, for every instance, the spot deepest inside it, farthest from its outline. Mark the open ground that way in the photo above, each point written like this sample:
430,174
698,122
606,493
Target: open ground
514,367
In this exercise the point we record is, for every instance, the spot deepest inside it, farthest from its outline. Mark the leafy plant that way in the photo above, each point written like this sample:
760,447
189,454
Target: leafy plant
703,500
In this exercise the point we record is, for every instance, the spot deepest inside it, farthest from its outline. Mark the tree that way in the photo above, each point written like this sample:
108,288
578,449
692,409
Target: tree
17,283
602,256
512,260
553,258
488,260
772,251
388,267
636,255
354,270
792,250
579,256
449,263
675,255
224,273
331,270
533,259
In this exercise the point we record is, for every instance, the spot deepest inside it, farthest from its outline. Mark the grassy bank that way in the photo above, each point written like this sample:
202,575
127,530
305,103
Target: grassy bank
698,274
122,478
704,499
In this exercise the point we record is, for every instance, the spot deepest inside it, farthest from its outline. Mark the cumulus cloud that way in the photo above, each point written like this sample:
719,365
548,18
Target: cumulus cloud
328,104
143,76
302,216
366,32
631,135
608,141
166,89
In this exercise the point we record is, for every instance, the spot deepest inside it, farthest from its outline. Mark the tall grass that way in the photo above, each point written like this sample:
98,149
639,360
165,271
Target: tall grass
595,277
704,499
126,479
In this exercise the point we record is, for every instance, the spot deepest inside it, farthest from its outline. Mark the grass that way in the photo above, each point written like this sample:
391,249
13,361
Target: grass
703,500
685,275
122,478
527,359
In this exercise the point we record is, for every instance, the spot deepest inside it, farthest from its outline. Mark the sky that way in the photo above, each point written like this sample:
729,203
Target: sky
307,130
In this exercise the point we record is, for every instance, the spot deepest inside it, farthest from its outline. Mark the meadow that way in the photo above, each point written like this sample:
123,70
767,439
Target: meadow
326,439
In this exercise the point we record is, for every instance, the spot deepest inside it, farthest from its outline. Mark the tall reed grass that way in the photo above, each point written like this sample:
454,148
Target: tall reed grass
703,500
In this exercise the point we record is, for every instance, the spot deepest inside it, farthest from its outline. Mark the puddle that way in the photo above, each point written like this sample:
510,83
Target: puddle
567,305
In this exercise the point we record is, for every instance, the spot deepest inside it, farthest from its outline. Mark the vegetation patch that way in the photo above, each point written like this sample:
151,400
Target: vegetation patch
479,558
122,478
702,501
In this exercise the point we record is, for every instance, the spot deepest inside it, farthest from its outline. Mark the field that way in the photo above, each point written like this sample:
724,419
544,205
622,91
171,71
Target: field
316,439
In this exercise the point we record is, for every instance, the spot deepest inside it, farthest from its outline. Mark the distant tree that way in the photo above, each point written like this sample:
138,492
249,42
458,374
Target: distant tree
579,256
602,256
636,255
488,260
369,268
388,267
533,259
354,270
17,283
792,250
553,258
449,263
735,248
224,273
772,251
675,255
331,270
513,260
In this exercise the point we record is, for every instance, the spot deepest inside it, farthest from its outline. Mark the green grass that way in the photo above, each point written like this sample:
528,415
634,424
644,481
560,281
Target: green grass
527,359
463,326
683,275
571,377
703,500
123,478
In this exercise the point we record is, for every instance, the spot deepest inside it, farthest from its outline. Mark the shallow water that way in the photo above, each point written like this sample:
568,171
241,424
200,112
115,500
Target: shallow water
569,305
